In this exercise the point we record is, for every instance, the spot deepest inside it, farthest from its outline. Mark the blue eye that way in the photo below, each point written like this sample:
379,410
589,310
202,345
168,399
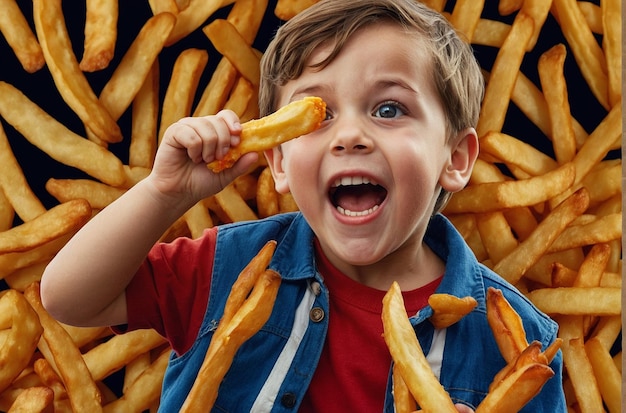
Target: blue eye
389,110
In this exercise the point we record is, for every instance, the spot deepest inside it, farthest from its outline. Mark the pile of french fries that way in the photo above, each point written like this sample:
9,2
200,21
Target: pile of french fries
543,207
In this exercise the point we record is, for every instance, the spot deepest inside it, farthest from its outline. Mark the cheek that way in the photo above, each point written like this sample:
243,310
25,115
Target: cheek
416,170
300,165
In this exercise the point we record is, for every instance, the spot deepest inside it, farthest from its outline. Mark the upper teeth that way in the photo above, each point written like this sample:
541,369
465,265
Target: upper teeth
352,180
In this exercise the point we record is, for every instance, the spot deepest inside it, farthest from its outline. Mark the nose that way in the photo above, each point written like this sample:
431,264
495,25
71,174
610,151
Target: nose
350,137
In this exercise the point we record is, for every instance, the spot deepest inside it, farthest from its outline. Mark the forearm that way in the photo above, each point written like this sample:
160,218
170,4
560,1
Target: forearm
83,283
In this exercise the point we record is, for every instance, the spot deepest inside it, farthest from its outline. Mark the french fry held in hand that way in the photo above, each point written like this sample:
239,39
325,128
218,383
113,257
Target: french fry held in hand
244,314
295,119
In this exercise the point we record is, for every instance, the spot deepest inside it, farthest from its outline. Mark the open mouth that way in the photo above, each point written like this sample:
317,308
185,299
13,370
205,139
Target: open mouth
356,196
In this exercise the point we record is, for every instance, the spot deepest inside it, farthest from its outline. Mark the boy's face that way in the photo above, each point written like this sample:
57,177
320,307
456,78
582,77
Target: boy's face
367,180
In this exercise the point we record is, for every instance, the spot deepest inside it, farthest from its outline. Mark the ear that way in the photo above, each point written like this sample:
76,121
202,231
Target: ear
274,158
458,169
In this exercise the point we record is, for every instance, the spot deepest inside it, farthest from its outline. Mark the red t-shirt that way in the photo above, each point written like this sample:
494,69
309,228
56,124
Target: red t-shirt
354,366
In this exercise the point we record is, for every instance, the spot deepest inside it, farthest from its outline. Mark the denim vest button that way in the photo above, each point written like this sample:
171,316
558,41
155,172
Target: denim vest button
316,314
288,400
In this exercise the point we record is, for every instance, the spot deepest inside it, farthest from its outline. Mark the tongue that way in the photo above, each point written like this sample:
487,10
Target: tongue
357,198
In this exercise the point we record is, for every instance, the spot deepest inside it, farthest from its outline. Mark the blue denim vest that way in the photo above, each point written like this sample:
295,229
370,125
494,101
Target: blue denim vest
273,369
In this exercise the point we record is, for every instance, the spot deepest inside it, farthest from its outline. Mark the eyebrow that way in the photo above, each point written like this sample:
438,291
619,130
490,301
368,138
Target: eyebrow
311,90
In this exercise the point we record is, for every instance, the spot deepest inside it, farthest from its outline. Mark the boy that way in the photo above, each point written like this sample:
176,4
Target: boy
403,94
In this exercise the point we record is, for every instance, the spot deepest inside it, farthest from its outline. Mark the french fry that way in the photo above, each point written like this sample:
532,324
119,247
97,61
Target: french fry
98,195
585,48
286,203
33,400
286,9
603,183
100,34
266,195
240,97
145,115
532,103
20,279
25,329
56,140
144,390
216,92
592,268
246,16
581,375
490,33
496,223
18,34
239,323
297,118
494,196
82,391
118,351
65,218
402,398
554,88
538,10
607,330
182,87
506,325
606,373
130,74
600,230
516,390
7,213
513,266
448,309
531,354
15,188
163,6
612,47
134,369
506,7
502,79
465,17
522,221
233,205
603,301
71,83
193,16
593,16
13,261
513,151
50,378
407,353
229,42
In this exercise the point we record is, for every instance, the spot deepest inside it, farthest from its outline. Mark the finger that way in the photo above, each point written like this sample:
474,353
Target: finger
463,408
228,128
241,166
205,138
181,135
